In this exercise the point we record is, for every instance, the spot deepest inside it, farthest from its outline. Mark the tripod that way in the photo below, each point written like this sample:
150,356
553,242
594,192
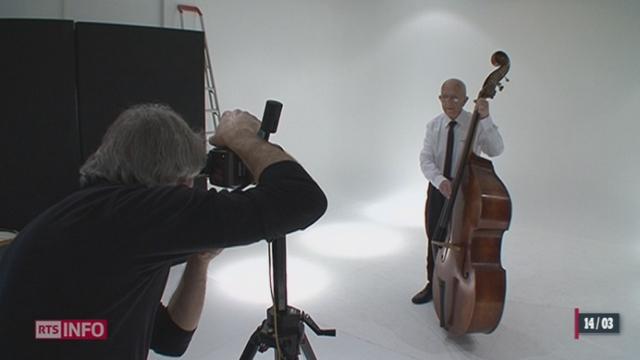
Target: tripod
283,329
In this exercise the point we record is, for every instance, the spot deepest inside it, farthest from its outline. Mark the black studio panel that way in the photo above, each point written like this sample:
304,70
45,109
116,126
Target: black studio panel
39,137
120,65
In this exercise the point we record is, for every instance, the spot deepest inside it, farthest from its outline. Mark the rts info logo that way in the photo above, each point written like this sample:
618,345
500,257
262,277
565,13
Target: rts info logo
71,329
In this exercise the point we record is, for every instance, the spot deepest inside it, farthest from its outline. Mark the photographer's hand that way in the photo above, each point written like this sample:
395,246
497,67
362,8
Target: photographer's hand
205,257
234,124
238,131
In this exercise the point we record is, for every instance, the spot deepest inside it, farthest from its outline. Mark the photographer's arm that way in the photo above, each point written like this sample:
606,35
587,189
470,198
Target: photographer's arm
238,131
185,306
175,324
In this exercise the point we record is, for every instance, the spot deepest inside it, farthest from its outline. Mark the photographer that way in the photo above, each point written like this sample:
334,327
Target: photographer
105,251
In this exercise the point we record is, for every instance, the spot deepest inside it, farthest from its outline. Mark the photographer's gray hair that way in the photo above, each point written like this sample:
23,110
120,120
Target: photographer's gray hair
148,144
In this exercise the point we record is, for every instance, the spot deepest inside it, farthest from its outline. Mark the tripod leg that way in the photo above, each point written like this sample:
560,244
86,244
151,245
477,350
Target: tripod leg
251,348
305,346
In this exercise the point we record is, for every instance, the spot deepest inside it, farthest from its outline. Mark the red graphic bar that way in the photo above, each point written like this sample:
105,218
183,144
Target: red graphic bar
576,317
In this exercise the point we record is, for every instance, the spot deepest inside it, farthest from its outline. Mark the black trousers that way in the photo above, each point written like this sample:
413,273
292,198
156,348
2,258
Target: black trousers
432,209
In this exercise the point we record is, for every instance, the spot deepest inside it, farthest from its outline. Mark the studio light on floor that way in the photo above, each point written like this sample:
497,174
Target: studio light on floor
248,280
404,208
352,240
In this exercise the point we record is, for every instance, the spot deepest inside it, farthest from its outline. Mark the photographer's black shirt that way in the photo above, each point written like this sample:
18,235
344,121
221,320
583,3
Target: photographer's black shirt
104,253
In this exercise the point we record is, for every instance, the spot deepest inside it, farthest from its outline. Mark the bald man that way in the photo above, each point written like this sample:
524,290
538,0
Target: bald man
453,97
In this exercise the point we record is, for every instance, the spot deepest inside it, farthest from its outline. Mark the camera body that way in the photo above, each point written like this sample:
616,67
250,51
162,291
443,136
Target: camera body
225,168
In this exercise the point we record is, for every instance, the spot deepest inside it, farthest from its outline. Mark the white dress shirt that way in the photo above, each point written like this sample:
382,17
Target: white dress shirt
487,141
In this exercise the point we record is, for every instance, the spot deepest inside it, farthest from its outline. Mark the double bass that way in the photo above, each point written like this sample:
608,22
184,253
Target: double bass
469,282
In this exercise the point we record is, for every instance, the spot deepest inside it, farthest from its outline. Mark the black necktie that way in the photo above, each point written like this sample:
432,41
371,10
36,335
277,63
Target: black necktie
447,159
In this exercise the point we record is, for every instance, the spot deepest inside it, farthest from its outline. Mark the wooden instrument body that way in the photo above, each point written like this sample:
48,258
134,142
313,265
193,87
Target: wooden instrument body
469,282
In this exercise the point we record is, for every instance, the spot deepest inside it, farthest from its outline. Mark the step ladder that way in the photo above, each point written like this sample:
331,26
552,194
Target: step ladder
212,109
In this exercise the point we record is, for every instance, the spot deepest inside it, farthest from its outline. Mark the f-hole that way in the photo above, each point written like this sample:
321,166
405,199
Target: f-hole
443,287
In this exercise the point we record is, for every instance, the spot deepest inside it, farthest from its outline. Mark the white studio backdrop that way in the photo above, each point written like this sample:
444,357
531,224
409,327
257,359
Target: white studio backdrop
359,80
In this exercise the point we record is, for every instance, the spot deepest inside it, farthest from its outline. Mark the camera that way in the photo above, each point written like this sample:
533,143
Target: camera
225,168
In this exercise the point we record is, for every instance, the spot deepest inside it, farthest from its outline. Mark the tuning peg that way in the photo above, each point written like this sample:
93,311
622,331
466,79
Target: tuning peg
500,87
506,79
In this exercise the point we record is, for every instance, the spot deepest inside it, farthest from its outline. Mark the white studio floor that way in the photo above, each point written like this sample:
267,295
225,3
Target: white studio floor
358,276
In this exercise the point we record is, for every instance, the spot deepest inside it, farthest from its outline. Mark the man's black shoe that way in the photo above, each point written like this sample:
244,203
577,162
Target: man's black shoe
424,296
